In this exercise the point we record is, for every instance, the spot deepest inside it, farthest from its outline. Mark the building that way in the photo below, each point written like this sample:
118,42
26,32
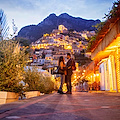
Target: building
106,54
57,44
62,28
3,26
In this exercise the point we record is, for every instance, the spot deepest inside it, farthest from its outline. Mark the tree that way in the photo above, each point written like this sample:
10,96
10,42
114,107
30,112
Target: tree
12,62
99,27
114,10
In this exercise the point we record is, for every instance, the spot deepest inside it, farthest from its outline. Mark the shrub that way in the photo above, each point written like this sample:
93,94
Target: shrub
36,81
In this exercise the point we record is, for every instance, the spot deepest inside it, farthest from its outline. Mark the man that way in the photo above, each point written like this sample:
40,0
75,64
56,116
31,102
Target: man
69,73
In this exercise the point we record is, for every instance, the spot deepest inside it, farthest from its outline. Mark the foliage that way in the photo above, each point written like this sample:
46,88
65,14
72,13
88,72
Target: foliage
37,81
113,11
12,62
98,27
91,42
22,41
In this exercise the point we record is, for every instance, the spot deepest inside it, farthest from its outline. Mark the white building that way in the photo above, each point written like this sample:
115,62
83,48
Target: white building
62,28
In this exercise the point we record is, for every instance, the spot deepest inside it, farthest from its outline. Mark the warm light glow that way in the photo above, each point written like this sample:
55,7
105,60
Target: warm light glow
83,70
67,47
118,69
75,76
61,28
85,36
97,74
83,73
45,35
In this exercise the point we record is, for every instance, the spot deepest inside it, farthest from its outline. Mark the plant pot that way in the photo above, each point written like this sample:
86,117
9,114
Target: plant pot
7,97
32,94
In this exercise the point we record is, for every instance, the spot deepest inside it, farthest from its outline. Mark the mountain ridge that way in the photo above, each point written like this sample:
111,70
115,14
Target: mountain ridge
34,32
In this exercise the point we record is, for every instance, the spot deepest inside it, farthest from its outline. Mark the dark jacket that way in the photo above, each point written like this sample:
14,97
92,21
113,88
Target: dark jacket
69,67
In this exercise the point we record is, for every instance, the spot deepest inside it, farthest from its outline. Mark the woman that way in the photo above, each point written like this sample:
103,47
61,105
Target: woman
61,65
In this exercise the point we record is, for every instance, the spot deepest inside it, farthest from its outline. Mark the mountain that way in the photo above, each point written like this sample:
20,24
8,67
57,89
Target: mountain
34,32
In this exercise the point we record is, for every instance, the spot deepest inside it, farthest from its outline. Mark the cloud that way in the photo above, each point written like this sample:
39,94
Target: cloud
17,4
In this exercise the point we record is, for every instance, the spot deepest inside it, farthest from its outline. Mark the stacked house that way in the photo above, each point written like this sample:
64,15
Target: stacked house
48,49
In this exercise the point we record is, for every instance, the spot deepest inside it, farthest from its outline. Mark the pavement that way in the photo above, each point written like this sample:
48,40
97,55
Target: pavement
78,106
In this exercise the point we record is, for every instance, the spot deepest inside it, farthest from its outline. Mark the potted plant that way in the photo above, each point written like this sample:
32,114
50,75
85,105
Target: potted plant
12,62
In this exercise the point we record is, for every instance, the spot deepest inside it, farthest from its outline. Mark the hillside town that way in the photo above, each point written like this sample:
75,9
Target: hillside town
47,50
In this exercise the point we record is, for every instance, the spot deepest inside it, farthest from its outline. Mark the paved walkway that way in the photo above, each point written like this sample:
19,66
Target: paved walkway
78,106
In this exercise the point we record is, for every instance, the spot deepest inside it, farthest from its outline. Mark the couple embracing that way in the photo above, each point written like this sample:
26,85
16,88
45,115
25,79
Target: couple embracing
66,75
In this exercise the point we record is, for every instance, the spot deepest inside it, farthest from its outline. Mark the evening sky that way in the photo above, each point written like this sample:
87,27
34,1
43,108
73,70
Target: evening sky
27,12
